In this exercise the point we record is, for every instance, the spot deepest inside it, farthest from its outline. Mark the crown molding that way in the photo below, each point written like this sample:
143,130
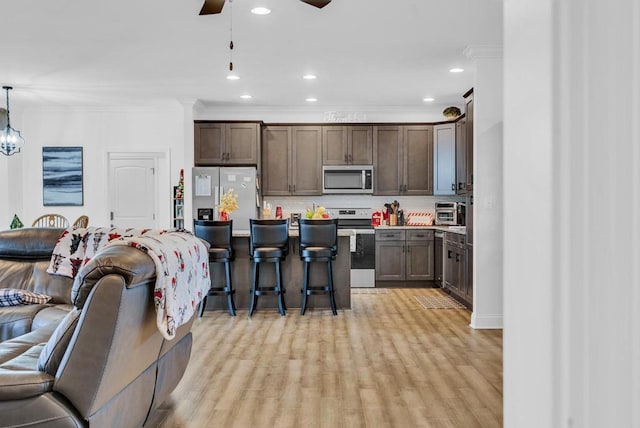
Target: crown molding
483,51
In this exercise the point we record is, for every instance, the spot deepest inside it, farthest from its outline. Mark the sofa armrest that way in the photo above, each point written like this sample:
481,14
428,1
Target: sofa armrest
18,384
133,265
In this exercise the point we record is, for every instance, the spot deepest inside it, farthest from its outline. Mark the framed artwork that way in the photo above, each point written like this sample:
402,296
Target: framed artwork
62,176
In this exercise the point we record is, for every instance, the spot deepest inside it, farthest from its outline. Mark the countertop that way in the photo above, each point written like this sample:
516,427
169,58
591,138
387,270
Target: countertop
462,230
292,233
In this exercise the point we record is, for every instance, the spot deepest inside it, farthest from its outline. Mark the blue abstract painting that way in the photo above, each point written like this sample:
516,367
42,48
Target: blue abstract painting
62,175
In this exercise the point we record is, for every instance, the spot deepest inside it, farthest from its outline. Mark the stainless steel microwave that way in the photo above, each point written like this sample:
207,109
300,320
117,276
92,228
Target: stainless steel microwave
347,179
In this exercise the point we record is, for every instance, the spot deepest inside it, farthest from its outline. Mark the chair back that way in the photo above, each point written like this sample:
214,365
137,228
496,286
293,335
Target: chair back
319,233
269,233
82,221
217,233
51,220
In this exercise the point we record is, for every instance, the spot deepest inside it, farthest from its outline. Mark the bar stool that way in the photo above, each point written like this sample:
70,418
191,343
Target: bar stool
318,243
268,243
218,235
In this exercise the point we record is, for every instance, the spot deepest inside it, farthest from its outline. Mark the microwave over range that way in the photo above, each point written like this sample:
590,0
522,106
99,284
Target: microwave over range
347,179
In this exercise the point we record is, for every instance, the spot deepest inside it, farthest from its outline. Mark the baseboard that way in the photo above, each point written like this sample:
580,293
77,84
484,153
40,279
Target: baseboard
486,321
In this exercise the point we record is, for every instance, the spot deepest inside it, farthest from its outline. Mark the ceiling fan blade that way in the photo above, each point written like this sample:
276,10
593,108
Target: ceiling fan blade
317,3
211,7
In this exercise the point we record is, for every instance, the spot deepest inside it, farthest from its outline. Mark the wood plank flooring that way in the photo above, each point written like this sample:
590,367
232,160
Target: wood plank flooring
387,362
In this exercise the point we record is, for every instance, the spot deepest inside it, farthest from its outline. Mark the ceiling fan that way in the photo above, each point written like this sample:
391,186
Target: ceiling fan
212,7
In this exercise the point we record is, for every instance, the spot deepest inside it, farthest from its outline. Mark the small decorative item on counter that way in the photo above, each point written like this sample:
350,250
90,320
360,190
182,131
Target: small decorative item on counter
317,214
16,223
376,218
228,204
278,212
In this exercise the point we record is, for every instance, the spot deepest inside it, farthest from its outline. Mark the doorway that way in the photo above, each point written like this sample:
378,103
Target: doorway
133,189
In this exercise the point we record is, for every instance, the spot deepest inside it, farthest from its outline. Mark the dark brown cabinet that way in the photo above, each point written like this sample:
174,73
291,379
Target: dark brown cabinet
403,156
405,255
469,138
347,145
226,143
291,158
461,156
455,267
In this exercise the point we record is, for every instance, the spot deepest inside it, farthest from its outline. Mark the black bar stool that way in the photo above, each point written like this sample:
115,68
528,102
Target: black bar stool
218,234
318,243
268,243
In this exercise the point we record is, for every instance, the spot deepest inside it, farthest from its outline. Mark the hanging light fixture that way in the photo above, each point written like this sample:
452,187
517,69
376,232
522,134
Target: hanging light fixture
10,139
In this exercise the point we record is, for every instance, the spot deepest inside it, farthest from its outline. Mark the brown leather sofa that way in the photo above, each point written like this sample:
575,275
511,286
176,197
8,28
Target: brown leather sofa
116,366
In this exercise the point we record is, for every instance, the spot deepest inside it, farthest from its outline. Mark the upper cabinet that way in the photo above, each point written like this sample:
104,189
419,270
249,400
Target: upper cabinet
291,160
226,143
444,159
461,156
403,156
347,145
469,138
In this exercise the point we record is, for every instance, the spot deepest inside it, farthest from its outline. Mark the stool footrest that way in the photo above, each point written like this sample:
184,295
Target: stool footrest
216,291
268,290
320,289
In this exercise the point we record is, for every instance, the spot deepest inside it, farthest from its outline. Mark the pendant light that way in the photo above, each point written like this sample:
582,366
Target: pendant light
10,139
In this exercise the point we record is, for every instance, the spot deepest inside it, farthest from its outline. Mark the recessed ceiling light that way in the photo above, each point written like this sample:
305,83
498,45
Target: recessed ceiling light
245,96
309,76
428,99
260,11
456,70
311,100
233,77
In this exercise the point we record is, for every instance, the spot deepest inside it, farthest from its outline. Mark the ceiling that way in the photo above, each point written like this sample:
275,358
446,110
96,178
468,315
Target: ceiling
366,53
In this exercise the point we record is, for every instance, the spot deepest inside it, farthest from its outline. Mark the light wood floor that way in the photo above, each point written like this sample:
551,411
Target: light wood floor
387,362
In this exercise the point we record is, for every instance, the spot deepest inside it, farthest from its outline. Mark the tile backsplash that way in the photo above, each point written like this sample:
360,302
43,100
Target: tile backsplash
291,204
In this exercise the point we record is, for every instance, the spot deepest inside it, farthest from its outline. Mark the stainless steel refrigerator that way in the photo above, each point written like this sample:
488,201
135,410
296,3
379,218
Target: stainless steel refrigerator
210,183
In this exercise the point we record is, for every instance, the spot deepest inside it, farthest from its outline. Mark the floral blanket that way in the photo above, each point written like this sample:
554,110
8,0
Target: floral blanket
181,260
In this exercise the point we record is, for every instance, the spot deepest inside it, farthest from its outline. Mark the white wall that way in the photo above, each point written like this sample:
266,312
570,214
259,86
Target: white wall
572,204
487,187
98,131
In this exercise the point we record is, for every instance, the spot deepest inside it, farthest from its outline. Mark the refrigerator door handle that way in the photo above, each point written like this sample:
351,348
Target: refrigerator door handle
216,198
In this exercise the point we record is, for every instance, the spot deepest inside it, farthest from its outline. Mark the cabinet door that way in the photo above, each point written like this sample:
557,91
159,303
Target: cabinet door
418,160
209,144
334,145
306,160
469,140
360,145
444,159
469,270
387,148
461,156
390,260
419,257
449,267
241,143
276,143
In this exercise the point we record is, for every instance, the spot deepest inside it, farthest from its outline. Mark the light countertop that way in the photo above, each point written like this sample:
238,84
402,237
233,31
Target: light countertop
462,230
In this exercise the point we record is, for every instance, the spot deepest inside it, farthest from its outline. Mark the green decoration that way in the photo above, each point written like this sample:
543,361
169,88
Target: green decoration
16,223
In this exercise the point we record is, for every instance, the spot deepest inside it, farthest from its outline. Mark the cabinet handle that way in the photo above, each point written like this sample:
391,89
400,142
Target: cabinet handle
294,188
350,158
403,248
457,257
388,236
222,156
453,186
448,254
346,158
289,188
228,156
461,185
420,236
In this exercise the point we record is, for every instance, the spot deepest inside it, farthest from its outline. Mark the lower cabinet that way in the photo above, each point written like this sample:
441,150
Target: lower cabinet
405,255
455,267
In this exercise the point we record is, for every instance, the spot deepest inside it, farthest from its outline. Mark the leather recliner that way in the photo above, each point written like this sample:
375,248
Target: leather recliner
116,367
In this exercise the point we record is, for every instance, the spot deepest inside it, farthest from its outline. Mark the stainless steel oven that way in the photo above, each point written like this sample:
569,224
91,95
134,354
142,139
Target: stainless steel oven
363,245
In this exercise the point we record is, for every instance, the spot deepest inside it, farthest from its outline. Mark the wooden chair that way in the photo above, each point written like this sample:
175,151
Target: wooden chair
82,221
51,220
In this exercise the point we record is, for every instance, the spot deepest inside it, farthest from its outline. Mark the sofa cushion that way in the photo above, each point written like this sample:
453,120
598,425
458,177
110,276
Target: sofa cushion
56,346
17,320
16,296
50,315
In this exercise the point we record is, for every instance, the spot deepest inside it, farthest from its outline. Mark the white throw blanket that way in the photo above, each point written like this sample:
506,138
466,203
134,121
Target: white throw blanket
181,260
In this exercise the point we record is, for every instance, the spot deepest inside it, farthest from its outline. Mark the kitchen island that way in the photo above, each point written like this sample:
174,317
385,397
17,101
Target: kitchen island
241,270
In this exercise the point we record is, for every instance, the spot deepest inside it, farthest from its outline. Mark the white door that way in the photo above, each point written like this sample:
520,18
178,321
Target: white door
132,191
